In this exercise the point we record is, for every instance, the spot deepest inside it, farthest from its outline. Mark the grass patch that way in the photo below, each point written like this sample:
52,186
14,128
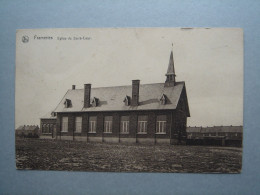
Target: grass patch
40,154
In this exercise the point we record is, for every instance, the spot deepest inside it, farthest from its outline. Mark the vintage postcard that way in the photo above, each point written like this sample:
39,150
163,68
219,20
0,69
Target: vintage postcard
129,99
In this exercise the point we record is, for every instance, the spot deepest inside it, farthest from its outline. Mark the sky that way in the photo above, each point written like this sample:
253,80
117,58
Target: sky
209,60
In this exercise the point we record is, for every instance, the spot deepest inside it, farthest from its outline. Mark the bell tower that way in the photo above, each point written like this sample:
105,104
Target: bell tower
170,75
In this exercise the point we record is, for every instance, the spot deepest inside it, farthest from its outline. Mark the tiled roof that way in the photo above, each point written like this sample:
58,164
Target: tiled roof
224,129
31,127
193,129
20,128
111,98
49,116
234,129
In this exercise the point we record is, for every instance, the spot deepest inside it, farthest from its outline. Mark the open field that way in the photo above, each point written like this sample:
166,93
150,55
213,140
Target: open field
81,156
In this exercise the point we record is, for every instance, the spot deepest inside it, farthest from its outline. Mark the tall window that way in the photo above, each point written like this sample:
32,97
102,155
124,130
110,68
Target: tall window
51,128
92,124
142,124
124,126
78,124
43,128
48,128
161,124
108,124
64,127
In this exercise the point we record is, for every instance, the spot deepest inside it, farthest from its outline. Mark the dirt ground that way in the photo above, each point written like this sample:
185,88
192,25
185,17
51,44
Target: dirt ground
81,156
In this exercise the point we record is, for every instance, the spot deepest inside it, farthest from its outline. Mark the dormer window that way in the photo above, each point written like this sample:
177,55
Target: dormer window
67,103
94,102
163,99
127,100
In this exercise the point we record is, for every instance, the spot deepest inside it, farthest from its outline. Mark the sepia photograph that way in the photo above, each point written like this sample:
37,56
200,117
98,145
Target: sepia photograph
166,100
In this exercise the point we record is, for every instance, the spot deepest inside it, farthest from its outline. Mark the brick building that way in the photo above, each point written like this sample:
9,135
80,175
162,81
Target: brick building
27,131
137,113
217,135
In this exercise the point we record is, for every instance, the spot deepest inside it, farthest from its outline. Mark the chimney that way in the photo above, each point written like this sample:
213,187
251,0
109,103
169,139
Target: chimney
87,91
135,92
73,87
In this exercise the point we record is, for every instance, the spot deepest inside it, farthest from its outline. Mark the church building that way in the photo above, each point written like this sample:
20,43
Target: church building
137,113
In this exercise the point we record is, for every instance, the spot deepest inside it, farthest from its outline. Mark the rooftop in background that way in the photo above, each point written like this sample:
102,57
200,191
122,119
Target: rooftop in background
234,129
28,127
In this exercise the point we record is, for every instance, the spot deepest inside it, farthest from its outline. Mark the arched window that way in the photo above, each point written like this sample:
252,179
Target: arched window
51,128
47,128
43,128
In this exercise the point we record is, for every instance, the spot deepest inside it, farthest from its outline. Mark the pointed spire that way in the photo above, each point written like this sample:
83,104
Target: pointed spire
170,75
171,70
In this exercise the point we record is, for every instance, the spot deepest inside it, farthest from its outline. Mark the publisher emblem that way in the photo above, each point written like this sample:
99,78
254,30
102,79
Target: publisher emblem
25,39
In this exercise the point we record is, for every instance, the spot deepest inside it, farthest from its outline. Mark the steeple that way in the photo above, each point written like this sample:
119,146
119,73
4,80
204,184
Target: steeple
170,75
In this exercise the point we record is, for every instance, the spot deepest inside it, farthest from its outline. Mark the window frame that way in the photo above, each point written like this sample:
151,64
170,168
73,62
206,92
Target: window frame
124,125
90,126
63,124
142,125
78,124
161,124
48,128
108,124
44,128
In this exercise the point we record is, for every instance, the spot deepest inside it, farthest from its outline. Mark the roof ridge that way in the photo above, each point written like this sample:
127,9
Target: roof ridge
215,126
179,82
116,86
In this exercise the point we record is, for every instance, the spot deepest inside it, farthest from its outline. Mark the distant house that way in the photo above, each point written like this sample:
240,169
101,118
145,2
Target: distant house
217,135
27,131
137,113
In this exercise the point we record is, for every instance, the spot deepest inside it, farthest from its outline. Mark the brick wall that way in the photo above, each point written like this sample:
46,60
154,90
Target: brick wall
45,122
175,126
71,124
85,124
